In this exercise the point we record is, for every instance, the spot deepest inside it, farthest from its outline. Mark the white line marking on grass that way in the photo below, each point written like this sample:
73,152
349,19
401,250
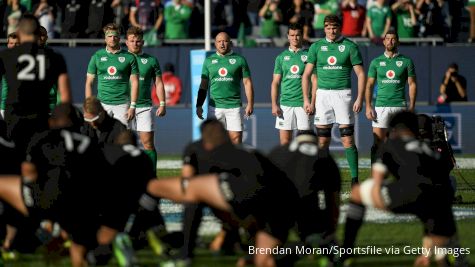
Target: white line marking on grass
210,225
364,163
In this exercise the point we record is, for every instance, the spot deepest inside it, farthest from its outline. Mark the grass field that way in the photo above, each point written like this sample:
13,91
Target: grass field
381,235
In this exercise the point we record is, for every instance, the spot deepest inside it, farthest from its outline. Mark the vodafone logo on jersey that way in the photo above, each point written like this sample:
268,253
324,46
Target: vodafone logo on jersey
294,69
390,74
223,72
331,60
111,70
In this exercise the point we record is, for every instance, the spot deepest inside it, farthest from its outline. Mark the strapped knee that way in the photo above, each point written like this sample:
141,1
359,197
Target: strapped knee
347,131
324,132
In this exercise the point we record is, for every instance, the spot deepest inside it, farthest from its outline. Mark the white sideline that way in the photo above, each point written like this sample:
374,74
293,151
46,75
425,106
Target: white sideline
364,163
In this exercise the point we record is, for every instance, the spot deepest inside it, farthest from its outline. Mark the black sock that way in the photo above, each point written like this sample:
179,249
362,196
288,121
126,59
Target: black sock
354,220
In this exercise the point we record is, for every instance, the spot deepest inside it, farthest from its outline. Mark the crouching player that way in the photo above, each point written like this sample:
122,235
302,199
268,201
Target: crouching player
316,176
244,184
414,167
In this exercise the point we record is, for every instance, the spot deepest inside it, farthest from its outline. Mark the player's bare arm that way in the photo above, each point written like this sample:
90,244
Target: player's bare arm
134,93
160,90
311,108
412,92
89,83
249,91
64,88
370,112
359,71
274,95
305,85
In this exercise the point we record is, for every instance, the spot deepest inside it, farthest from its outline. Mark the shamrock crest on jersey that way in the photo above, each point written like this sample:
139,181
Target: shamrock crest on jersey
144,60
121,59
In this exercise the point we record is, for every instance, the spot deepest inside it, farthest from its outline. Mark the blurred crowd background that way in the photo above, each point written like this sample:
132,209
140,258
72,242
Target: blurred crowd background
452,20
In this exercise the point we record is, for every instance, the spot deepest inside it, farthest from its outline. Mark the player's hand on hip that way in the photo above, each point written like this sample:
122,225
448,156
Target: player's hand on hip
249,110
130,114
276,111
199,112
161,111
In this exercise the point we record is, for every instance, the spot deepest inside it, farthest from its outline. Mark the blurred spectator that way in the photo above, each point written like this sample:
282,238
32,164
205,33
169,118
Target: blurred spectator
453,87
28,4
172,85
405,17
241,24
72,19
219,20
354,15
429,17
301,12
322,8
45,14
197,20
147,15
100,13
177,16
378,20
12,15
471,10
271,16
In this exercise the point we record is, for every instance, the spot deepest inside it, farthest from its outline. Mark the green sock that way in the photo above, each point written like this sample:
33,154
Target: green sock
152,154
352,158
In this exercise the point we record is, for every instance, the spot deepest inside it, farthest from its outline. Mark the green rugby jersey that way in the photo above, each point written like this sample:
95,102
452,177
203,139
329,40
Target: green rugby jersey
291,65
4,93
224,73
112,72
334,62
149,68
391,75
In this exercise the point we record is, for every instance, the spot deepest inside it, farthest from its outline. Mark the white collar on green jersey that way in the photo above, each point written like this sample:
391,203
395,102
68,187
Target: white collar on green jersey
394,55
337,39
227,54
110,52
298,49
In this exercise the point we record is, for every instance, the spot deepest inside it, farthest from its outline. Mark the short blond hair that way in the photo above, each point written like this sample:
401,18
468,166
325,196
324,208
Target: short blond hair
111,27
134,31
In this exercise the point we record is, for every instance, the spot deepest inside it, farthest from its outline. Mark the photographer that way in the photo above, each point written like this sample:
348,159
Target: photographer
453,87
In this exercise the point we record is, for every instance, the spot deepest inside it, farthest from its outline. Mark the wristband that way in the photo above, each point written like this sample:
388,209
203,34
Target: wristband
133,104
162,103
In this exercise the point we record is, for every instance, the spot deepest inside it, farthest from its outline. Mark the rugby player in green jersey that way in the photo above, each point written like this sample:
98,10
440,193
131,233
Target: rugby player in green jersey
149,72
289,66
117,77
334,57
222,73
12,41
391,71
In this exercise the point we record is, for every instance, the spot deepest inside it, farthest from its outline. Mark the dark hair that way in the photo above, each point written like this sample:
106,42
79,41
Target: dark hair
332,19
12,35
74,119
134,31
295,27
405,120
213,132
392,32
454,65
169,67
29,25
